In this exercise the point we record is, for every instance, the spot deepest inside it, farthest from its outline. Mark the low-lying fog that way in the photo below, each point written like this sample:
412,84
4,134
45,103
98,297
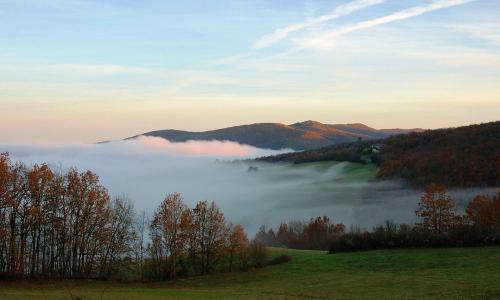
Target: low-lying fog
147,168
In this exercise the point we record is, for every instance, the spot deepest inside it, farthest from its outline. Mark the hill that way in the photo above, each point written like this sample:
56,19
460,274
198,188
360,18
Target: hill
461,273
464,156
298,136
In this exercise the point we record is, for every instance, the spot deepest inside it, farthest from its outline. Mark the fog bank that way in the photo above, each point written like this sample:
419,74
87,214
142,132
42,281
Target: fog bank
148,168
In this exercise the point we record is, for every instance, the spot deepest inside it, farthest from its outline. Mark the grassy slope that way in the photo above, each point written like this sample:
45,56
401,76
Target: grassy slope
351,171
470,273
359,172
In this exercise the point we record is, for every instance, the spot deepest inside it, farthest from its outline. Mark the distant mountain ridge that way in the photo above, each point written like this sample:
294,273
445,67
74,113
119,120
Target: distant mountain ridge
298,136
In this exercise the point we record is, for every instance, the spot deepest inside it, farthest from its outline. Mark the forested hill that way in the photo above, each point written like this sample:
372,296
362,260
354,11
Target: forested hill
297,136
461,157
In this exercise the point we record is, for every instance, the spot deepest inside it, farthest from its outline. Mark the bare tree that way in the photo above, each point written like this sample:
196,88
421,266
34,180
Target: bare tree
141,226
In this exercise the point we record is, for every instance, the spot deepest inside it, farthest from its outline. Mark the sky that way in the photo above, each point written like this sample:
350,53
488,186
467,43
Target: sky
85,71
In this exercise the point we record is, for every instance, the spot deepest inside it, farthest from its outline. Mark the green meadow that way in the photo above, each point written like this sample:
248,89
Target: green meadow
348,171
461,273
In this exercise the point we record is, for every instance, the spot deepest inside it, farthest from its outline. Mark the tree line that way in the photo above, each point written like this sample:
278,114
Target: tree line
58,225
352,152
439,226
315,234
66,225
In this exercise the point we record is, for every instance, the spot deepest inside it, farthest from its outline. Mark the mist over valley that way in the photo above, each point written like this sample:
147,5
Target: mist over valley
251,193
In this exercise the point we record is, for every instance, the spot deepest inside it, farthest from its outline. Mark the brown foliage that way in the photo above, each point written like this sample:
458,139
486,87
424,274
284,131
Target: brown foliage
200,238
316,234
168,228
464,156
436,209
58,225
237,245
484,211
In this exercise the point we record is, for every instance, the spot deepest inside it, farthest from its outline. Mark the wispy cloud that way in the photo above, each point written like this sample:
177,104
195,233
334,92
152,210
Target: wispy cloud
487,31
325,40
82,69
462,57
338,12
93,70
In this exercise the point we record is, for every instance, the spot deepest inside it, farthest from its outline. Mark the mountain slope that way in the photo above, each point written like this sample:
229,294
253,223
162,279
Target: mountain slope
464,156
298,136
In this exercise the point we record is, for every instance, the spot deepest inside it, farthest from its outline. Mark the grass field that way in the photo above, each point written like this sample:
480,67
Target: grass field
359,172
351,172
468,273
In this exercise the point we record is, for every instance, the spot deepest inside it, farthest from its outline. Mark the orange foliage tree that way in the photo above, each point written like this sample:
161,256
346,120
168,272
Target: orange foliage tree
168,226
58,225
436,209
199,237
237,245
484,211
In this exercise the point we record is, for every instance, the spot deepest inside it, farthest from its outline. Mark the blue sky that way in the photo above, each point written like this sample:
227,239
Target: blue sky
81,71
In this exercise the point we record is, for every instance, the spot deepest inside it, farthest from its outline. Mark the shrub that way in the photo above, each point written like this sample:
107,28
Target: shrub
280,259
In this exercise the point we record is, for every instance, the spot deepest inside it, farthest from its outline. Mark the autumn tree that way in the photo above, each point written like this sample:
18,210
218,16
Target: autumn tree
15,206
39,183
167,227
237,244
496,209
120,234
198,239
58,225
320,231
484,211
284,236
89,217
480,211
317,233
210,233
65,225
436,209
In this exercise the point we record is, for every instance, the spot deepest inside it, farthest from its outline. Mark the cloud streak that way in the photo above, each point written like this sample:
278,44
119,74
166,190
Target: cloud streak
342,10
489,32
324,40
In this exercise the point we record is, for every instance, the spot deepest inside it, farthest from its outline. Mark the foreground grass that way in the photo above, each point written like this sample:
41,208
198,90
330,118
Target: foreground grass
467,273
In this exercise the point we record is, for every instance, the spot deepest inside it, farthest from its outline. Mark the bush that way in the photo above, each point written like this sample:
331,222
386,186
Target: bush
280,259
407,236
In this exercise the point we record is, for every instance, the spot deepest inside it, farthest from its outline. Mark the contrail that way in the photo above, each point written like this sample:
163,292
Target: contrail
340,11
401,15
